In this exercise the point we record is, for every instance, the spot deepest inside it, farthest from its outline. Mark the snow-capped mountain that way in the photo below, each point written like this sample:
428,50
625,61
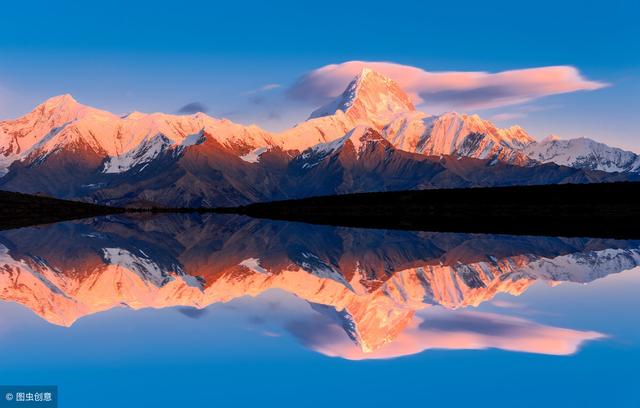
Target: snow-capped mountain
358,138
66,271
61,123
373,100
458,135
69,150
369,98
583,153
19,136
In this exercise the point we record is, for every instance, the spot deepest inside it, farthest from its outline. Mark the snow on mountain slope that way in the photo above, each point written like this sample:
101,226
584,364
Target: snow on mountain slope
134,139
155,133
358,137
254,155
373,100
229,259
376,101
111,144
151,134
583,153
146,151
457,134
314,131
370,98
582,267
18,136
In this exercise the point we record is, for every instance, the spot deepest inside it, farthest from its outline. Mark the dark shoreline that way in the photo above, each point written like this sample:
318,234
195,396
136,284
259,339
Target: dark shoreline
572,210
23,210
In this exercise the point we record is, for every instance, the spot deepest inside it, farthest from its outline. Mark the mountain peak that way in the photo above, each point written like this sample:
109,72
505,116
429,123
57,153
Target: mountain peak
134,115
361,135
550,138
369,98
59,101
365,71
358,136
584,153
64,107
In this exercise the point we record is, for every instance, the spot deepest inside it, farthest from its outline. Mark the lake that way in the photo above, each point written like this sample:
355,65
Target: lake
230,311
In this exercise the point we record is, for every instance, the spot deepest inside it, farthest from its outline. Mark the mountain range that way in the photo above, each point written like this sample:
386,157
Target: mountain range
370,138
373,283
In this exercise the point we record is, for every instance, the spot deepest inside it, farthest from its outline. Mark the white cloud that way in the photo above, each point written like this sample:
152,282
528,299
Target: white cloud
448,90
455,330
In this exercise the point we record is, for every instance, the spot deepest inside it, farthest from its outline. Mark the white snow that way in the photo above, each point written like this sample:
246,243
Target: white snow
141,265
583,266
191,281
313,264
62,123
191,140
371,100
254,265
450,134
254,155
583,153
357,136
145,152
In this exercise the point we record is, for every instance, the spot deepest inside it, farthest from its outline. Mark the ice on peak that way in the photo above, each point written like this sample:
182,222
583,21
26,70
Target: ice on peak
61,105
366,71
371,75
516,128
369,98
60,100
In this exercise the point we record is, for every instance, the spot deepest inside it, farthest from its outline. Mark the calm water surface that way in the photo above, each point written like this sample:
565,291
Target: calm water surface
228,311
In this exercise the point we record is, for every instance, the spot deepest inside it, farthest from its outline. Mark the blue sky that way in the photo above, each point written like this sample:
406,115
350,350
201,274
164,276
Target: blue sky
156,56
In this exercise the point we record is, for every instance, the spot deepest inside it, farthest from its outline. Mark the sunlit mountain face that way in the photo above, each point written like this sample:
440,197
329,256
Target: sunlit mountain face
370,138
372,293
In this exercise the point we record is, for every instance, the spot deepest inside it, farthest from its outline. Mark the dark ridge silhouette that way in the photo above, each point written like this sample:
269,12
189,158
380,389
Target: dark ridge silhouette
608,210
21,210
586,210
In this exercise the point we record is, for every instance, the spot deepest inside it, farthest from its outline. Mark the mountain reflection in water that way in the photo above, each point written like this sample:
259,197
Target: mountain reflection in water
374,290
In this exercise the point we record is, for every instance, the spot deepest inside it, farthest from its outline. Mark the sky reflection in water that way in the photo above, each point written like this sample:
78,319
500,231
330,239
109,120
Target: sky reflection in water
232,311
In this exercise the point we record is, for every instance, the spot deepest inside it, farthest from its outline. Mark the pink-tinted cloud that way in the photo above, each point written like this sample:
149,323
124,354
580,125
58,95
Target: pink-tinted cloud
458,330
521,112
508,116
506,304
448,90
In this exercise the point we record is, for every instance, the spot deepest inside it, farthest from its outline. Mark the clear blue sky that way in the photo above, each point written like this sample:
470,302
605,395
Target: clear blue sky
160,56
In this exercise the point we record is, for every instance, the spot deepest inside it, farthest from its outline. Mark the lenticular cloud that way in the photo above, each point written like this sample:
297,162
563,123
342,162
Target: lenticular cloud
448,90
